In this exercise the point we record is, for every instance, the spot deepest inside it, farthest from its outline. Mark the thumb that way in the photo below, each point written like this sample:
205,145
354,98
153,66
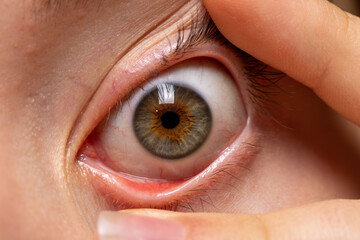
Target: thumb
336,219
312,41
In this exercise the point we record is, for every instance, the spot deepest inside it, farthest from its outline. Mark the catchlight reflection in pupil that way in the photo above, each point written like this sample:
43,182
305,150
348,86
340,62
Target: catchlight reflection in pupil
172,121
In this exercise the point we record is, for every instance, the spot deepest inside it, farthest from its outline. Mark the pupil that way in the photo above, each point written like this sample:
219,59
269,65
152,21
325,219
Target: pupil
170,120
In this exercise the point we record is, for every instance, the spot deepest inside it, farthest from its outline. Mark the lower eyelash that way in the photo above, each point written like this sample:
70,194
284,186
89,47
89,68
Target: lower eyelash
224,177
218,182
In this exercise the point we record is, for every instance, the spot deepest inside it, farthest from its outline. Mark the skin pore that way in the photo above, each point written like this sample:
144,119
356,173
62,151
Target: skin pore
54,65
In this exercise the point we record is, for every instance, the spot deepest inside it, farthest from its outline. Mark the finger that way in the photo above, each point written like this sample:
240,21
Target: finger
338,219
313,41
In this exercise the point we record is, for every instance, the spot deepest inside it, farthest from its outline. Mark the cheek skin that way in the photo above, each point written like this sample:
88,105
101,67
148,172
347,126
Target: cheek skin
49,70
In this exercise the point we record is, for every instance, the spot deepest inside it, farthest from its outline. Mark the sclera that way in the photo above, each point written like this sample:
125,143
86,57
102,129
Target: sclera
119,148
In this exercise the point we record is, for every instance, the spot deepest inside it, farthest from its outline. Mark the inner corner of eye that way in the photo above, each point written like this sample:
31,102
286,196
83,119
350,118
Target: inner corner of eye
169,128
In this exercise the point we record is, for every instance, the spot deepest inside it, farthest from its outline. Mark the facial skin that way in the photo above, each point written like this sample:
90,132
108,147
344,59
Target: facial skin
53,63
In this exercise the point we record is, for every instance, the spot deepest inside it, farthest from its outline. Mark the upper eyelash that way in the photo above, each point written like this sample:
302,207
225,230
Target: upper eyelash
262,79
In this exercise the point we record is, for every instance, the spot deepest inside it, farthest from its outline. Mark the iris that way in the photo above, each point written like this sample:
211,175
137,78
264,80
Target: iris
172,121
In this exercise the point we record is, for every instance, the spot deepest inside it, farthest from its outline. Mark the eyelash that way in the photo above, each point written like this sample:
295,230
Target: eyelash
220,178
260,77
262,84
217,181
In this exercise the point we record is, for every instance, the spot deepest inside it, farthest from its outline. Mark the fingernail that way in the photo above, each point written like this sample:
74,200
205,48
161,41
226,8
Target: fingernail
116,226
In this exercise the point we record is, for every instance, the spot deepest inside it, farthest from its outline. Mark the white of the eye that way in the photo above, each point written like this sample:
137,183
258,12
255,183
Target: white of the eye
210,80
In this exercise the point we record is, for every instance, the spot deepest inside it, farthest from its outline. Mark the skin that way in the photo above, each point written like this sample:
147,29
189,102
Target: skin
326,62
50,60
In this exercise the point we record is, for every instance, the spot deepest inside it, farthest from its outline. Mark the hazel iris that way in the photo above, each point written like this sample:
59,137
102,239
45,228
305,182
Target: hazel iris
172,121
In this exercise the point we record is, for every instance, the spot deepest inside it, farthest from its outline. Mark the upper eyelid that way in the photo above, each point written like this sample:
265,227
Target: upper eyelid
262,79
197,26
200,30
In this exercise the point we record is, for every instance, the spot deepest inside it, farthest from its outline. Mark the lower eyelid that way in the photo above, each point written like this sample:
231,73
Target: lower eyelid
122,191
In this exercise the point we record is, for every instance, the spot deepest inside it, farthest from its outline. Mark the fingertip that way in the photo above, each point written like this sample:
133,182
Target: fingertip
135,224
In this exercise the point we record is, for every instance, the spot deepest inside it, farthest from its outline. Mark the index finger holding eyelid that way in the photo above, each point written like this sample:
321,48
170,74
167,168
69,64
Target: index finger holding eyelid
312,41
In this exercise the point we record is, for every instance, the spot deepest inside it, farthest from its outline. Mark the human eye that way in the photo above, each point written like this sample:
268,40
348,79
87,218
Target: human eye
180,133
169,131
175,125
